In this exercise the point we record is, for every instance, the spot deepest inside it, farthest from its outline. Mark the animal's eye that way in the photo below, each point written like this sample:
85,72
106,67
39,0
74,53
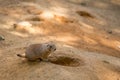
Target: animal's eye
50,47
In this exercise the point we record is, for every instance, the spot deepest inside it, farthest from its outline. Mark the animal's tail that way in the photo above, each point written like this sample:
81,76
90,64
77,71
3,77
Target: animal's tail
21,55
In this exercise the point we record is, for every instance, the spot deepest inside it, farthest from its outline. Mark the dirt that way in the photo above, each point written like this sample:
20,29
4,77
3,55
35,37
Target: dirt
86,33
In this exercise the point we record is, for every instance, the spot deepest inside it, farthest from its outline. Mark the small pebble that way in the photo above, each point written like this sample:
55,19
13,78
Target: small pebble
106,61
82,3
110,32
22,24
1,38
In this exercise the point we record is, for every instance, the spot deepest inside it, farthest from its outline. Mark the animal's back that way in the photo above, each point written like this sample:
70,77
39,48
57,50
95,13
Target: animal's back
38,51
33,51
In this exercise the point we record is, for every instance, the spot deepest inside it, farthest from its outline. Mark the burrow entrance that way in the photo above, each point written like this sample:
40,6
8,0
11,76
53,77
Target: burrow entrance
66,61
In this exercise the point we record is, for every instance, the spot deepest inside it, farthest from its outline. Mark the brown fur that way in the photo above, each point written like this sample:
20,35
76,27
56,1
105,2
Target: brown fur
38,51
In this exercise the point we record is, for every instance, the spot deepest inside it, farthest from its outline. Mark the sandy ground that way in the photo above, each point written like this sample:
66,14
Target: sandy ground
86,32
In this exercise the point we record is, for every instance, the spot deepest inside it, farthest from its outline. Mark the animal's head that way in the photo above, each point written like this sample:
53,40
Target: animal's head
51,47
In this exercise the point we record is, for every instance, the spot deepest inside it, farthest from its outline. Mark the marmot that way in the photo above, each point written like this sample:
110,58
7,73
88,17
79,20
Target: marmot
38,51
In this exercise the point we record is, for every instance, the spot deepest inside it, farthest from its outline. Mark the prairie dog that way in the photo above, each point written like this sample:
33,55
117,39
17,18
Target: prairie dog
38,51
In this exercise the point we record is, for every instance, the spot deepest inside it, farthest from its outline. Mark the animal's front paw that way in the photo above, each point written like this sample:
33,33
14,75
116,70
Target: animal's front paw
46,60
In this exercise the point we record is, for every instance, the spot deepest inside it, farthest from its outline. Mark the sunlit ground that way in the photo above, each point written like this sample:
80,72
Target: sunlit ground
74,25
83,25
